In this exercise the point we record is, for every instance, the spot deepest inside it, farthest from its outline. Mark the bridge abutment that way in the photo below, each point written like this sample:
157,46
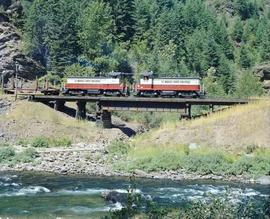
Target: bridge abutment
81,110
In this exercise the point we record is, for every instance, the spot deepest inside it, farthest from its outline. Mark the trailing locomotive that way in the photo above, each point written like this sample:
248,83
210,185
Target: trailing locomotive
147,86
168,87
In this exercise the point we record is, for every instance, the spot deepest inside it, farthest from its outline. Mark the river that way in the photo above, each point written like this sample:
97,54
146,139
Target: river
32,195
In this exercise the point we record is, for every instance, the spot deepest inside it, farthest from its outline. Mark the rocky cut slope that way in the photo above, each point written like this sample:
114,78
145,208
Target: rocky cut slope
11,46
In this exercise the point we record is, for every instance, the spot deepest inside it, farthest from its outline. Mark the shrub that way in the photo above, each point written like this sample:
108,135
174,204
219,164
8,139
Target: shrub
40,142
215,163
4,144
6,153
118,147
62,142
26,156
23,142
251,148
257,165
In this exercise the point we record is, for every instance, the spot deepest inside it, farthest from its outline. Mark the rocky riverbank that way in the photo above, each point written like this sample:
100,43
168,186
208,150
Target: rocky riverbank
93,160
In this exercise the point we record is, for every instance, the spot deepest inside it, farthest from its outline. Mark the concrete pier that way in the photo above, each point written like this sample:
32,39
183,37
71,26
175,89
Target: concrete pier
59,105
81,110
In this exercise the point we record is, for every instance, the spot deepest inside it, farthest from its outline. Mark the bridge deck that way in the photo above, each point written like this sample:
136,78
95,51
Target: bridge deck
143,100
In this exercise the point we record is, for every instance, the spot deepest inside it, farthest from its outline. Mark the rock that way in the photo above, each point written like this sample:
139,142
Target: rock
11,48
114,197
193,146
263,72
140,173
264,180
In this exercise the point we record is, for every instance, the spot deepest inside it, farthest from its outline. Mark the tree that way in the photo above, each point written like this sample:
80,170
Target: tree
225,74
219,32
265,44
95,34
248,85
122,15
245,57
212,86
238,30
51,33
196,52
145,15
245,8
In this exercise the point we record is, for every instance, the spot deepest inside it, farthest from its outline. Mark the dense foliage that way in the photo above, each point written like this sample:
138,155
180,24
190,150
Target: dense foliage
218,40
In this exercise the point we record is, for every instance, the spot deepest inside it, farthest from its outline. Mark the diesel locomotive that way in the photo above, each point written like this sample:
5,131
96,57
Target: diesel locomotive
149,85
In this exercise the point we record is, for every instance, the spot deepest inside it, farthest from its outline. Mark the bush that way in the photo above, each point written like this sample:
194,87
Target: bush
26,156
40,142
214,163
118,147
23,142
251,148
6,153
257,165
43,142
62,142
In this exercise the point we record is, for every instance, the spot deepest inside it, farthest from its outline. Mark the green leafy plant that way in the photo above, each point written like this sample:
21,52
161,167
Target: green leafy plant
6,153
40,142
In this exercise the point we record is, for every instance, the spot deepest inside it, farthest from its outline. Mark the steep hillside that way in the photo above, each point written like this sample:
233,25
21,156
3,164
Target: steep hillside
236,127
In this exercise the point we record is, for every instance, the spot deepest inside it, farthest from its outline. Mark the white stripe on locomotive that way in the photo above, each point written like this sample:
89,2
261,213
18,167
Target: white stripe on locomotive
170,82
93,81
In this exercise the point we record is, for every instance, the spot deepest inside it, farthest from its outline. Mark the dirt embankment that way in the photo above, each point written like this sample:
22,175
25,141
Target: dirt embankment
23,120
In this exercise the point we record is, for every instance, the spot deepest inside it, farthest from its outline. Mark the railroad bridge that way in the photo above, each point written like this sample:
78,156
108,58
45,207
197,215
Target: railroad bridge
104,105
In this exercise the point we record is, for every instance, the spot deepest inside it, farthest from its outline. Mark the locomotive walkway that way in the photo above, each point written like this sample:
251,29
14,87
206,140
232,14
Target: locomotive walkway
104,105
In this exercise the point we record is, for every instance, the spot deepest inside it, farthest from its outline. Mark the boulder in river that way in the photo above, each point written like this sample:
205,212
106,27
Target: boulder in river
114,197
263,180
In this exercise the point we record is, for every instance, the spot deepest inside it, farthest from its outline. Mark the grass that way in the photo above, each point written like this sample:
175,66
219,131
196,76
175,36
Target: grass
8,155
202,160
29,120
44,142
232,129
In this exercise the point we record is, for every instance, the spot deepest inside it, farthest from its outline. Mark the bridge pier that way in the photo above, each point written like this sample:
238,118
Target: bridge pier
212,108
81,110
104,119
187,112
59,105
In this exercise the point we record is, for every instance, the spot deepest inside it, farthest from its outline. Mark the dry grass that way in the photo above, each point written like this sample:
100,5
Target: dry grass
27,120
233,129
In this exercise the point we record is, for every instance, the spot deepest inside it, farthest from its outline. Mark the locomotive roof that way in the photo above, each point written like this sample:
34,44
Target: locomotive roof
179,78
84,77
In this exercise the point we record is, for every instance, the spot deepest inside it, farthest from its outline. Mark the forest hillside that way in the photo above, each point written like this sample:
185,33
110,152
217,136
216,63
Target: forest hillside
227,43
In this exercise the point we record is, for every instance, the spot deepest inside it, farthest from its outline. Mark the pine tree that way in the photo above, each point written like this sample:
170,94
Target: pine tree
196,49
265,43
219,32
145,15
245,58
95,30
226,75
122,14
238,30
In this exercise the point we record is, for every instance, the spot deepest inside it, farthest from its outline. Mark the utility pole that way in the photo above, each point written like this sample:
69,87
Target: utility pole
16,79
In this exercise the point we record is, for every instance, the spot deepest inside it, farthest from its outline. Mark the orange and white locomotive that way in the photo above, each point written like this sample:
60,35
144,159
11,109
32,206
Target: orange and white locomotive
174,87
147,86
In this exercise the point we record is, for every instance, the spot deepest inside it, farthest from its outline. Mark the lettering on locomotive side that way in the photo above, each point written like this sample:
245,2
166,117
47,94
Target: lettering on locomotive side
175,81
93,81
